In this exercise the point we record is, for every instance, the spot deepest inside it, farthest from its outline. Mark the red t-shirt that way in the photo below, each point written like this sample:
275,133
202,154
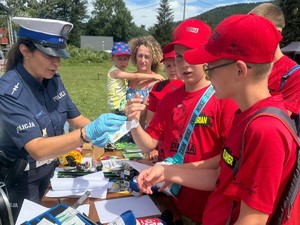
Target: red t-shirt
291,89
155,96
207,139
267,161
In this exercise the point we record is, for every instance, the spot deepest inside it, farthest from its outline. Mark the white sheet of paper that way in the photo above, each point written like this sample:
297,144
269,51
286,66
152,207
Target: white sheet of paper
63,184
95,193
137,166
141,206
125,128
30,210
90,181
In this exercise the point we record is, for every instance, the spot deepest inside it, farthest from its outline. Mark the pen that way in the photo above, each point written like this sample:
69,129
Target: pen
81,199
111,174
72,173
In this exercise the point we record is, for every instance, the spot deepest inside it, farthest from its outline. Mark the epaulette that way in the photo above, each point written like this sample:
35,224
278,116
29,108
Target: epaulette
11,86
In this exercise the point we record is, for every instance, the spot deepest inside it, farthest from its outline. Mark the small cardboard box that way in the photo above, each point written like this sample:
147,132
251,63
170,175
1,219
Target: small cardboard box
95,151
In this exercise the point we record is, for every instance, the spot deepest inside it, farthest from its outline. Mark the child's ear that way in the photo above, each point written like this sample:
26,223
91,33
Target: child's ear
241,68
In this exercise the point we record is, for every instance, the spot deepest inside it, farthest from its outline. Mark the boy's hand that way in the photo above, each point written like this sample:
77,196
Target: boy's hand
134,107
157,76
150,177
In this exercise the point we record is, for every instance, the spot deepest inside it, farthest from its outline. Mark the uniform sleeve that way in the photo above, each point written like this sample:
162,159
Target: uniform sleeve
19,123
72,111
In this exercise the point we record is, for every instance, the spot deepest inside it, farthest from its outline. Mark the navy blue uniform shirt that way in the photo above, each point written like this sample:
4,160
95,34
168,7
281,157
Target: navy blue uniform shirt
30,109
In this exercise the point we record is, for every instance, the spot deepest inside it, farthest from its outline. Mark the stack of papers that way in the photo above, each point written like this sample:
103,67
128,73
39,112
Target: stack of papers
96,183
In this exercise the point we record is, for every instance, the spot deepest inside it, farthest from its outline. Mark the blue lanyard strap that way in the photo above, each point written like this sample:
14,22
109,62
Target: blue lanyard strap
178,157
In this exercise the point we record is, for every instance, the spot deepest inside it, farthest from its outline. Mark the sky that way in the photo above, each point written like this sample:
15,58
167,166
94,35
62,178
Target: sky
144,12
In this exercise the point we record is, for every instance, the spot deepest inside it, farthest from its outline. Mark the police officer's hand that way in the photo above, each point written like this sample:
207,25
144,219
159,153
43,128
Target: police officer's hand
97,131
101,141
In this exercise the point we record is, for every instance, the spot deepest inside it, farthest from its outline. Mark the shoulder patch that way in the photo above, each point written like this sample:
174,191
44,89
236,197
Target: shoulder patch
14,89
10,84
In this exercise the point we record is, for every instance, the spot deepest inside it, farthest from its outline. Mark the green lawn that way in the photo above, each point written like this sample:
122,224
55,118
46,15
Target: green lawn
86,84
86,88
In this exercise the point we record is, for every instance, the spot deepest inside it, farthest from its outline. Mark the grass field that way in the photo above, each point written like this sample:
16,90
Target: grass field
86,88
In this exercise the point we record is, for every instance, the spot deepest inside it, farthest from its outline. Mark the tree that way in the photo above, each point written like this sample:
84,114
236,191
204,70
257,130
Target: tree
162,31
73,11
24,8
291,11
111,18
139,31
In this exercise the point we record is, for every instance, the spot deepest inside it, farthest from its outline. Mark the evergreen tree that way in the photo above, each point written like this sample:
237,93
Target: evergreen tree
162,31
291,11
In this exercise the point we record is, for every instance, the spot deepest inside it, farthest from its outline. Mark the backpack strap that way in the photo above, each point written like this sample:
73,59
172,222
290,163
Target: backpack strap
274,112
286,76
161,85
290,194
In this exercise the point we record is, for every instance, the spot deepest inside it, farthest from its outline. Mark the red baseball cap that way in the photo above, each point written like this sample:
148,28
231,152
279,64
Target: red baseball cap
191,33
168,55
250,38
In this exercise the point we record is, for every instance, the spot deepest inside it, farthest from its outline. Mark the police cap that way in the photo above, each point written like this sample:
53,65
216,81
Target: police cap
48,35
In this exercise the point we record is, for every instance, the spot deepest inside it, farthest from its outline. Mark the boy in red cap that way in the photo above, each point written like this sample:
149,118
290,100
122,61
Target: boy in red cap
159,90
282,63
239,70
171,121
117,77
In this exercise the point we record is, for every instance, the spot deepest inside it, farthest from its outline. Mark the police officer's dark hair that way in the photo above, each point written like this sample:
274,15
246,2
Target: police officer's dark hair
14,56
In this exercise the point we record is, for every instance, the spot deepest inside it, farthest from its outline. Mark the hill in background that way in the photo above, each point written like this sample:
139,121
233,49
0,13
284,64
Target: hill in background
216,15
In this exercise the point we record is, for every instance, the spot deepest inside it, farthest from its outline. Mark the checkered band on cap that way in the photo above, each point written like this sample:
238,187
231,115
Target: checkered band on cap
48,35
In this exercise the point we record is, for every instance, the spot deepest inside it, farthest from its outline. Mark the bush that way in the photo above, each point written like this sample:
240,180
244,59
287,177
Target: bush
84,55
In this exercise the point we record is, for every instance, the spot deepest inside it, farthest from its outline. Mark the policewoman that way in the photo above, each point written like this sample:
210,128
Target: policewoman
34,106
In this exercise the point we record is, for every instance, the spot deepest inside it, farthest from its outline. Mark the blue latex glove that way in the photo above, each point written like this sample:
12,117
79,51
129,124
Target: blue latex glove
101,141
97,131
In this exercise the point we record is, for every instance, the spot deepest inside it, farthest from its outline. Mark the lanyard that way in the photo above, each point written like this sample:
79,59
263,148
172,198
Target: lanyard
178,157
